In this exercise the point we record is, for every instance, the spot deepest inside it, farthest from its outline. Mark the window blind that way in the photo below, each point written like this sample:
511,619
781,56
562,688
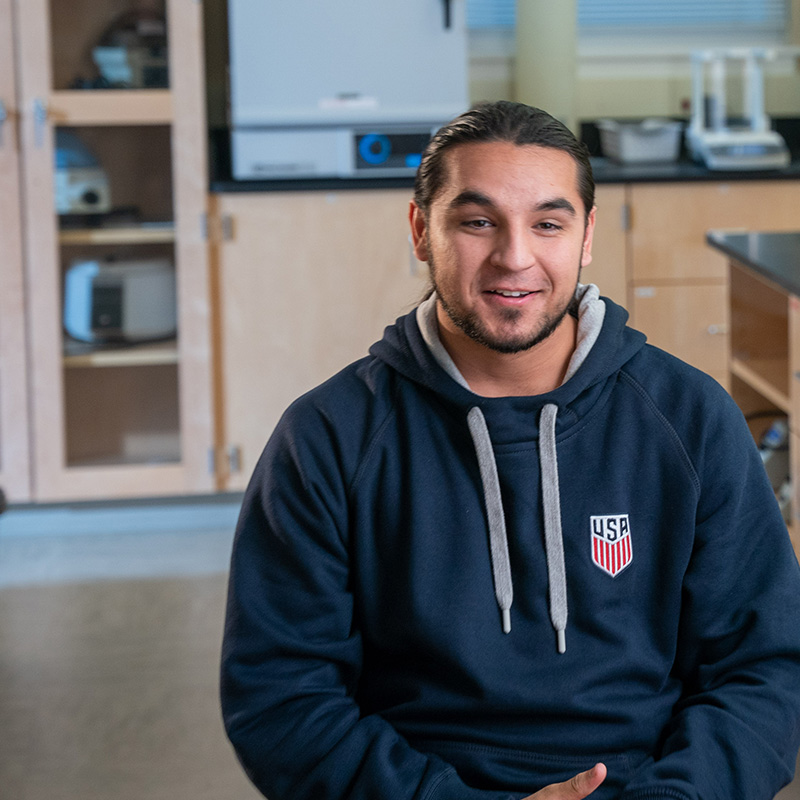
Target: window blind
491,13
733,15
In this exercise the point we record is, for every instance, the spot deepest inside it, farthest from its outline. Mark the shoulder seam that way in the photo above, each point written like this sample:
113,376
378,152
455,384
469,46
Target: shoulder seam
645,395
371,445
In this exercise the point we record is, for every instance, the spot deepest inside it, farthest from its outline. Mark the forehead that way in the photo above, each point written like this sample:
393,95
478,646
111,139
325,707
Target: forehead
510,173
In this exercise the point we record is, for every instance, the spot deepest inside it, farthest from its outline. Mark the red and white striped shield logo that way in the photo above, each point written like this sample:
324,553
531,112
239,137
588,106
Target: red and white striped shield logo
612,549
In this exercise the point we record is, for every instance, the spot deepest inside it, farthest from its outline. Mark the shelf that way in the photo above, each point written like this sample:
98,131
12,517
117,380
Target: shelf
133,234
77,354
768,376
111,107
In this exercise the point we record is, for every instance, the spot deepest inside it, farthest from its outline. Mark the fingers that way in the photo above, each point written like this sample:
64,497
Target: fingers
576,788
583,784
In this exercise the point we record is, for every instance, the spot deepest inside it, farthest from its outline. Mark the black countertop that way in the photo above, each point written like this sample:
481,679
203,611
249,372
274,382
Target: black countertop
605,172
775,256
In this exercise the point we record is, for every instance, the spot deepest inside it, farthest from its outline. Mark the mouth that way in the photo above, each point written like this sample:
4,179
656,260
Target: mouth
508,293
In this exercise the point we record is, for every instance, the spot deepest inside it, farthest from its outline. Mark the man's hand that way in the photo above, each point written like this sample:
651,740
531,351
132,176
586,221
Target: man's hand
582,785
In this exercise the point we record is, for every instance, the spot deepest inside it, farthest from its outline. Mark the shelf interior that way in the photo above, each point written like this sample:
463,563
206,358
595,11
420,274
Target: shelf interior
760,336
768,376
122,415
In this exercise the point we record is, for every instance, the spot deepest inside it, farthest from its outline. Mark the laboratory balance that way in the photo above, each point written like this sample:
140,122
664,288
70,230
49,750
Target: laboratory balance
748,144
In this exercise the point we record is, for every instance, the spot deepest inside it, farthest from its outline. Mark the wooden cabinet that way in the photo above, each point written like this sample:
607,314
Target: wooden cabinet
135,420
608,268
765,365
678,286
14,453
305,283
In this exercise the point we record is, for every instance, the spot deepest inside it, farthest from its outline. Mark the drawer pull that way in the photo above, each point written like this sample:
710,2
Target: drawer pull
717,330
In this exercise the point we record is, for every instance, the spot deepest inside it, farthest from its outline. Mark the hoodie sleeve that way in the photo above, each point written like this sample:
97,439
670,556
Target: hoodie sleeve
736,731
292,654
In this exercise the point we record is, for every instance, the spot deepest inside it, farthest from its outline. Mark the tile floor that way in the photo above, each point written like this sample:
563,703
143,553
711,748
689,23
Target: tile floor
110,625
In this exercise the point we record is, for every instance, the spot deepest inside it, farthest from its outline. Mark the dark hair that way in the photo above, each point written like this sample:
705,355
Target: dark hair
501,121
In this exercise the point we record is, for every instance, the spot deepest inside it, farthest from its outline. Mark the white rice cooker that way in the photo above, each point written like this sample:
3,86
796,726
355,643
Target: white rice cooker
120,301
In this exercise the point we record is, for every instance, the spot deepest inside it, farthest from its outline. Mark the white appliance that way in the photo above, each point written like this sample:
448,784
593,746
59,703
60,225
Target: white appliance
80,183
751,145
349,89
120,301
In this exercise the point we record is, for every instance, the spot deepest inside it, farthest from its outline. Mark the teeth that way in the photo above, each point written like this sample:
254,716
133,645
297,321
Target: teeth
512,294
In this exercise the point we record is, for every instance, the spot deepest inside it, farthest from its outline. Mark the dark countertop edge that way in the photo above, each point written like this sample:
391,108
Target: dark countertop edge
684,170
605,173
728,243
222,186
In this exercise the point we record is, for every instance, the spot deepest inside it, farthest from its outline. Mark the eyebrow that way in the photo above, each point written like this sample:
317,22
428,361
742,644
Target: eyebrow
471,197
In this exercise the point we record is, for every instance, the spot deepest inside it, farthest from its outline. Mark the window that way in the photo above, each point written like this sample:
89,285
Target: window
753,17
639,24
661,27
482,14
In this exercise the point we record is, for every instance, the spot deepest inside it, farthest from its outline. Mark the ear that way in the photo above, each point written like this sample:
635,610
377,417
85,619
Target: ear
419,228
588,236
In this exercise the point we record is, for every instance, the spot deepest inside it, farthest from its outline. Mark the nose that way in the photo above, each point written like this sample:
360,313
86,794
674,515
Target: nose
514,248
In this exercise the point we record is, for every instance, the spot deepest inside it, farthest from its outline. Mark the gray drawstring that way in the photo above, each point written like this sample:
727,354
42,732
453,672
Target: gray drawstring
553,539
591,313
498,541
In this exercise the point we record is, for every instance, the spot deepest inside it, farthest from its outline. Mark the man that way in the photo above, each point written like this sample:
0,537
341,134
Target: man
515,552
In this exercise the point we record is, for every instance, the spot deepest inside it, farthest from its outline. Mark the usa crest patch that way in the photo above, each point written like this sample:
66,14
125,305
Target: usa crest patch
612,547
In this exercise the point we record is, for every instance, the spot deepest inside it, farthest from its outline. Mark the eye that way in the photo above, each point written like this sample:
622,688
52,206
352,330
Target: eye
477,224
550,226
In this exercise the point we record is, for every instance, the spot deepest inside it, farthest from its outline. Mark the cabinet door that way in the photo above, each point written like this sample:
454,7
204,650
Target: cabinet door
678,282
608,268
134,420
14,463
670,223
688,321
306,282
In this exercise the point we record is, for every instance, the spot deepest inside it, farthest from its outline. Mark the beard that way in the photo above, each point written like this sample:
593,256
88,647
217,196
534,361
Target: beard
470,322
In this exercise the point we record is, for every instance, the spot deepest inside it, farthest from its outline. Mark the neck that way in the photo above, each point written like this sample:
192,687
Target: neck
539,370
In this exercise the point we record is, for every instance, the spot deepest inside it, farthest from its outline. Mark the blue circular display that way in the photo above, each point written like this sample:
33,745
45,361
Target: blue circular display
375,148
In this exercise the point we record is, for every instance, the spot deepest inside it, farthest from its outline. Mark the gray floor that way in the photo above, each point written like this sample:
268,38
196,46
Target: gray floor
109,645
110,625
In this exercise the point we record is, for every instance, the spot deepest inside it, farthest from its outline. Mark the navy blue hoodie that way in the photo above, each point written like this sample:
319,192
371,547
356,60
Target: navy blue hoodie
365,655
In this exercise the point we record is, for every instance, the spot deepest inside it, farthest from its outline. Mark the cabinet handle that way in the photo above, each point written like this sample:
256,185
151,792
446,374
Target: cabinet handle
40,115
717,330
3,120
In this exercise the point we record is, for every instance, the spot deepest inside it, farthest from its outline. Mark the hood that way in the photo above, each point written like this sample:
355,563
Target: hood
404,349
604,344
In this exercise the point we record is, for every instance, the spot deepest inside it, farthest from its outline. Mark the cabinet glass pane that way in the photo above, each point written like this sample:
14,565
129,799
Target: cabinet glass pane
115,44
113,196
132,164
122,415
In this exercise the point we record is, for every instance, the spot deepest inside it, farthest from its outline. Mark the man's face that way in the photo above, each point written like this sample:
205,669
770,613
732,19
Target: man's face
505,239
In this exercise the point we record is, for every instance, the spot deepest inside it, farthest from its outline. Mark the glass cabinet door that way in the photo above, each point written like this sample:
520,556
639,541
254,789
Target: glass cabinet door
120,335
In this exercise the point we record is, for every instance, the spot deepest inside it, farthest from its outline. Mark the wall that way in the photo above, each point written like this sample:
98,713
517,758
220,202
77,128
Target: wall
633,91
